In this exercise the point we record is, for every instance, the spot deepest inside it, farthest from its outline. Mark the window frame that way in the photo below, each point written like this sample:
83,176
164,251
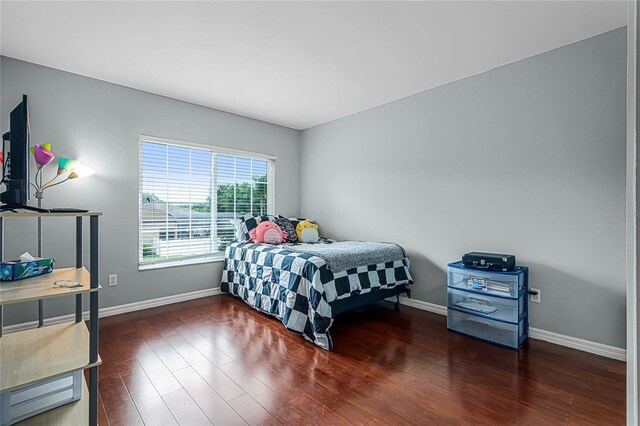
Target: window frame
215,150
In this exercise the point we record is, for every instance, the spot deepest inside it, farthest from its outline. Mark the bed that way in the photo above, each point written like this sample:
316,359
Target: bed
305,288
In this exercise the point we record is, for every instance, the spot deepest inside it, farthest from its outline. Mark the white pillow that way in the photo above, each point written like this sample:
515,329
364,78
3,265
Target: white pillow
237,226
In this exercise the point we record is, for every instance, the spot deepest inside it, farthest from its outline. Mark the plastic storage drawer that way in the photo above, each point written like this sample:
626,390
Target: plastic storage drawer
502,333
498,308
22,403
505,284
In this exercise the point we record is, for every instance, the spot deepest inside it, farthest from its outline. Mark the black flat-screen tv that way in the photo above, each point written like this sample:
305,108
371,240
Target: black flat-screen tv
16,194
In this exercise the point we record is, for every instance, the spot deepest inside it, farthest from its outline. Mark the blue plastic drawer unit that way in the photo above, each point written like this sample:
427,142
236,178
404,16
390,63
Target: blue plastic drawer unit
489,305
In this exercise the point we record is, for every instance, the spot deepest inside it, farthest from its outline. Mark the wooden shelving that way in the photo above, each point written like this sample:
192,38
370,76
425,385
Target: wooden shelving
40,353
73,414
41,287
32,359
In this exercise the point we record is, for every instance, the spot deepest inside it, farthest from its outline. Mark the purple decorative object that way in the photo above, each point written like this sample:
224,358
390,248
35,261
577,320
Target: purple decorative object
42,155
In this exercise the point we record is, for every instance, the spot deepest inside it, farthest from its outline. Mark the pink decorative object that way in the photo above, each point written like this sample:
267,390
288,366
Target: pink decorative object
42,155
267,232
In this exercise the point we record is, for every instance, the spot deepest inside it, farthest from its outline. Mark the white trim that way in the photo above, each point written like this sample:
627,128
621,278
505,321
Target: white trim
535,333
425,306
212,258
120,309
271,187
217,149
161,301
579,344
631,219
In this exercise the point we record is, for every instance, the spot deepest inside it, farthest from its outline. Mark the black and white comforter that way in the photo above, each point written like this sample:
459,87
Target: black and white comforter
298,287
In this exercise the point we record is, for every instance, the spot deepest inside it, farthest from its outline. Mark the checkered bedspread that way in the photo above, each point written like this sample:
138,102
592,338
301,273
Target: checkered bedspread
297,288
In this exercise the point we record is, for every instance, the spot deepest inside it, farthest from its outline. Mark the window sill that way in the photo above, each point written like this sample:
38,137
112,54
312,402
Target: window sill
186,262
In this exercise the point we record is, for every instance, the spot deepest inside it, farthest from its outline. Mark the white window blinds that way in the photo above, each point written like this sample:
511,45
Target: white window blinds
188,195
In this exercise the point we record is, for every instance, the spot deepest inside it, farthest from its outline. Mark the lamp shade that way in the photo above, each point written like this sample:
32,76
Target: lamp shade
42,155
66,165
46,146
81,171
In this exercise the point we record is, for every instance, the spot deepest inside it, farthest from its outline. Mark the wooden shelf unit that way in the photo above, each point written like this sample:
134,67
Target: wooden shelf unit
31,356
42,287
41,353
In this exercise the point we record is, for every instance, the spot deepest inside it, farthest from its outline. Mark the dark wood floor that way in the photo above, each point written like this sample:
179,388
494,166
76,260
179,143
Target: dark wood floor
216,360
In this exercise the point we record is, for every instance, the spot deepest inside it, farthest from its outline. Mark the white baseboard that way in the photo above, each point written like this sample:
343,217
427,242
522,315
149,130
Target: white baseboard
580,344
120,309
161,301
536,333
425,306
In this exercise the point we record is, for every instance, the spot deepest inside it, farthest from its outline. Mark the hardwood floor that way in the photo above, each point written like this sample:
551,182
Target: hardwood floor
217,361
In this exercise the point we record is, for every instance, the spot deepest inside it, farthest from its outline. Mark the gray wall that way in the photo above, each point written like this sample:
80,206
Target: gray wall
528,159
99,123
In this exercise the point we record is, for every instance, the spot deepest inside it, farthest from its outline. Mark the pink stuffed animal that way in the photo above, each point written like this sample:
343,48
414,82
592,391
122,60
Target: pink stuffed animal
267,232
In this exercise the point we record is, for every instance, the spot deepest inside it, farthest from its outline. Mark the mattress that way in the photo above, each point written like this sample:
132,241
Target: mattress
297,288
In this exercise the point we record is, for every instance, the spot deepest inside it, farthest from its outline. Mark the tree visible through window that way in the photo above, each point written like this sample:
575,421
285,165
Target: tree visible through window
188,196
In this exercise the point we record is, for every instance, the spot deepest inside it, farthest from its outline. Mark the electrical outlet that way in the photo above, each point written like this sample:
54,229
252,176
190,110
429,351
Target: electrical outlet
535,297
113,280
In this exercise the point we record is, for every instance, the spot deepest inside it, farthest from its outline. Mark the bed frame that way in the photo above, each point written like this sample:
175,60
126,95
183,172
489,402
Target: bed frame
357,301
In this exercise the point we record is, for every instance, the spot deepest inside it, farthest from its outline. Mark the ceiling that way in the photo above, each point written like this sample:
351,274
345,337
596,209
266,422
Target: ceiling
298,64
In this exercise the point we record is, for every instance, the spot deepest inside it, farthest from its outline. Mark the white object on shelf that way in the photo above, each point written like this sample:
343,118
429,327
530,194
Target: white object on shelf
478,307
26,257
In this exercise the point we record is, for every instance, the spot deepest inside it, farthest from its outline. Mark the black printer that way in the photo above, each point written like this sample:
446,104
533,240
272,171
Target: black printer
490,261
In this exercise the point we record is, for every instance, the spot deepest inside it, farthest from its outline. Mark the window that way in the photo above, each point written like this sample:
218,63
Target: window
189,193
